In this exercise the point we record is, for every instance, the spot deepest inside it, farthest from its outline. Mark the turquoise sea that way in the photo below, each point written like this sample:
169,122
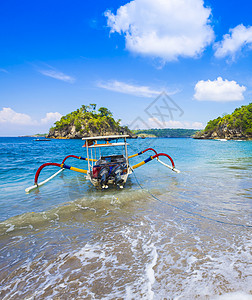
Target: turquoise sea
67,240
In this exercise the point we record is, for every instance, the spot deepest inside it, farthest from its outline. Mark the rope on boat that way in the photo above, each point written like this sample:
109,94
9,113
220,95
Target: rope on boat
190,212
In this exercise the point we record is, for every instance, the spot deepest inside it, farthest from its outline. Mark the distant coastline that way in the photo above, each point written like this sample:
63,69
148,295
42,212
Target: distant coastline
34,135
89,121
166,133
140,134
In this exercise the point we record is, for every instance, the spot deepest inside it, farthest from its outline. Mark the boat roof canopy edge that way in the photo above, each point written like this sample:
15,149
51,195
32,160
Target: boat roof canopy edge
106,137
107,145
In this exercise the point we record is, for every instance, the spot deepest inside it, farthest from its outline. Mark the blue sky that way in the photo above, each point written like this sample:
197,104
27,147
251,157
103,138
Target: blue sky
58,55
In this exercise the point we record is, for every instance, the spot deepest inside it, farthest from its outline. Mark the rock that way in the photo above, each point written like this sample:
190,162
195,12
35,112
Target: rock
223,133
71,133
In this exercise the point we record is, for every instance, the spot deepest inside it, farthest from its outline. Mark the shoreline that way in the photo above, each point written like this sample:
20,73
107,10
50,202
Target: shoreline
219,138
139,138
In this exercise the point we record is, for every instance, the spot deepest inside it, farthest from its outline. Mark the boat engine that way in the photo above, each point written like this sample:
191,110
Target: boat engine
116,173
103,175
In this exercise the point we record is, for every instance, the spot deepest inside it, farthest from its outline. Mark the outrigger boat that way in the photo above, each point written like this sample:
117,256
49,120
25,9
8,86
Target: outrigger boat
104,170
42,140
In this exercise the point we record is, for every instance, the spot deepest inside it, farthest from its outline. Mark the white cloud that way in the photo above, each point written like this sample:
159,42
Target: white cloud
125,88
57,75
163,29
197,125
51,118
239,37
8,115
154,122
219,90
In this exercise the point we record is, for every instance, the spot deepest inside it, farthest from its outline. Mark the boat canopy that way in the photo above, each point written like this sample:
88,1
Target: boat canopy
104,170
107,145
106,137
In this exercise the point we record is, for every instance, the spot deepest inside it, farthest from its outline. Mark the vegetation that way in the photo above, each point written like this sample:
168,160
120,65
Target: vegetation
166,132
87,121
240,120
35,135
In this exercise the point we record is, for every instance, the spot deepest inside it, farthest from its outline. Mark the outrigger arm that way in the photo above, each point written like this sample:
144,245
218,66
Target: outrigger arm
157,157
62,166
78,157
141,152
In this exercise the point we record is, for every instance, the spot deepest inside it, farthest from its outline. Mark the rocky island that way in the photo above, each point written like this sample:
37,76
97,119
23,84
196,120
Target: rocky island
87,121
235,126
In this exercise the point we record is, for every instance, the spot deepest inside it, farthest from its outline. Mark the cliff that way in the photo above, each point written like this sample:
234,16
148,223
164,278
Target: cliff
237,125
85,122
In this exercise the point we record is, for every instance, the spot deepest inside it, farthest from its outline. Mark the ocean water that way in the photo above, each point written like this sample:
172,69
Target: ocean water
164,236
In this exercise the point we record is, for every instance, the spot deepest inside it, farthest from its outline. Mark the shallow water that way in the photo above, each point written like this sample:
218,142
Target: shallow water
70,241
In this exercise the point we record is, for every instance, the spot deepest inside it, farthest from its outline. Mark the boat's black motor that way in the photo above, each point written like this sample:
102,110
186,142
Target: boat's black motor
117,172
103,175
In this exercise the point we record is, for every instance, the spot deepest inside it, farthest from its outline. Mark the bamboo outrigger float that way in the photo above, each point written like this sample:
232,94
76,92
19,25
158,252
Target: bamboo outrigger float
104,170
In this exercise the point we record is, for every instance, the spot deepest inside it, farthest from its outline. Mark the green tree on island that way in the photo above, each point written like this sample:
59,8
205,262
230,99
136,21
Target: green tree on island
87,121
233,126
